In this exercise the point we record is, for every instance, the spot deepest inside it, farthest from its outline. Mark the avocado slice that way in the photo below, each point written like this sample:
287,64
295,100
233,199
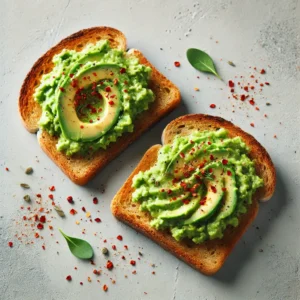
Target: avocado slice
213,199
183,211
167,203
74,128
230,195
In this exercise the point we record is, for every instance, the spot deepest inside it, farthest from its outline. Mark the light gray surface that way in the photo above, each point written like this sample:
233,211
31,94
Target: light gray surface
250,33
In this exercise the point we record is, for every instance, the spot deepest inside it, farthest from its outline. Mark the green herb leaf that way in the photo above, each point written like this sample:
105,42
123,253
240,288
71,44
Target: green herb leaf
201,61
79,248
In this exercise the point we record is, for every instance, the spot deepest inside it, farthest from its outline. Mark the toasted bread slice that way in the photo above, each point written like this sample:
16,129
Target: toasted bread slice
208,257
81,169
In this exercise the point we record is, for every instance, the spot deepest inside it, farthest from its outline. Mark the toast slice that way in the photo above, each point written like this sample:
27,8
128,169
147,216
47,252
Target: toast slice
208,257
81,169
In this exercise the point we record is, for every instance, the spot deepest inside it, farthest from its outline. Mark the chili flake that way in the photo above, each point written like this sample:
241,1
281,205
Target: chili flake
119,237
43,219
109,265
40,226
177,64
212,106
224,161
231,83
252,124
69,278
262,71
132,262
95,200
73,212
10,244
98,220
70,199
105,287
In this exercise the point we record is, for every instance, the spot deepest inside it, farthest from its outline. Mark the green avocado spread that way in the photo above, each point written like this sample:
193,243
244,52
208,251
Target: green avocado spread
91,97
199,185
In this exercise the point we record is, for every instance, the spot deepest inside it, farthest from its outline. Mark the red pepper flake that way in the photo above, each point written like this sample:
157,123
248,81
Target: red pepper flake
252,87
50,196
209,143
265,115
224,161
39,195
95,200
231,83
43,219
210,170
169,192
83,209
213,188
81,283
252,102
43,247
232,90
123,257
211,157
186,201
52,188
40,226
96,272
104,241
73,212
36,235
69,278
120,238
256,108
267,83
224,189
98,220
111,102
203,200
114,247
252,124
62,89
7,169
10,244
212,105
109,265
71,75
182,155
134,272
261,84
24,218
177,64
132,262
229,173
243,97
262,71
246,88
70,199
126,247
108,89
122,70
275,136
105,288
81,126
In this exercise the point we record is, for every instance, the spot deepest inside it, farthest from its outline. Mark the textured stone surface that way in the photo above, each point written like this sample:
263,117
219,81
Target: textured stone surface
249,33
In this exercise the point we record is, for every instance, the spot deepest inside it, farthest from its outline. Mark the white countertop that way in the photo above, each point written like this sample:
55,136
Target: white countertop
265,263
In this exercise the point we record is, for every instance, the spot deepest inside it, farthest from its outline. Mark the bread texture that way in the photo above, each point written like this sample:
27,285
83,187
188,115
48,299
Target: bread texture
81,169
208,257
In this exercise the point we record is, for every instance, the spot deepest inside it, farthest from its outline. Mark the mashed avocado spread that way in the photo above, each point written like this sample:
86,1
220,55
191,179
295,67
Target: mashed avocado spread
91,97
199,185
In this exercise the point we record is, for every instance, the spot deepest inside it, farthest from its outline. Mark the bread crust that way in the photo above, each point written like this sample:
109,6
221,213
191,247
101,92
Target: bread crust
208,257
81,169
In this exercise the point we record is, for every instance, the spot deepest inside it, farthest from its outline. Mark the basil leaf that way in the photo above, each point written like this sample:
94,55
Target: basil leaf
79,248
201,61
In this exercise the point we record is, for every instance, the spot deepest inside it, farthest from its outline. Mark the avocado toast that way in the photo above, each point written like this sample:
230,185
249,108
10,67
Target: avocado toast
82,137
197,194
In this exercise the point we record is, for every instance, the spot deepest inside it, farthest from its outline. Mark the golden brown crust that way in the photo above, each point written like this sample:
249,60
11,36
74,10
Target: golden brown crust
81,169
29,109
208,257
